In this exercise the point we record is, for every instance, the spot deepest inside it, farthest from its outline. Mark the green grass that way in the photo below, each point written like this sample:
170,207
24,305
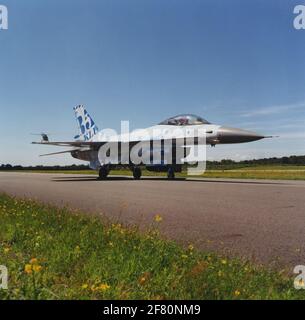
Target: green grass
251,172
79,257
273,174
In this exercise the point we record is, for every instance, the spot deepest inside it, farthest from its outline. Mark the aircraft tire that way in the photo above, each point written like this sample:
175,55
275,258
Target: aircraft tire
171,174
137,173
103,173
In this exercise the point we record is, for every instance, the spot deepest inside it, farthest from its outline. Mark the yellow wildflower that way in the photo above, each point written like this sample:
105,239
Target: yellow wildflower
223,261
191,247
6,250
33,261
144,278
28,268
36,268
158,218
85,286
184,256
103,287
237,293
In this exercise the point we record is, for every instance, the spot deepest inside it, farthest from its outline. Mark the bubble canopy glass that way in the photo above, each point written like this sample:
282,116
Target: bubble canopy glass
184,120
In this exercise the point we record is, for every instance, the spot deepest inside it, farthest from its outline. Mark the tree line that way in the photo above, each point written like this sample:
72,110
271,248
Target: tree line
223,164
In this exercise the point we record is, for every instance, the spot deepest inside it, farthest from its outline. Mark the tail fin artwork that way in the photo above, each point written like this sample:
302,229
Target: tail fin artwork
87,127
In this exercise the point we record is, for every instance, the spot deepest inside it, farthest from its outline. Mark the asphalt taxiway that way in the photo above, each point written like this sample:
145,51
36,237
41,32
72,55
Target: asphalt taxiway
259,219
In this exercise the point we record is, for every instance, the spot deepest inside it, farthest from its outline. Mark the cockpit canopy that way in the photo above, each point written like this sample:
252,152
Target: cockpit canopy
184,120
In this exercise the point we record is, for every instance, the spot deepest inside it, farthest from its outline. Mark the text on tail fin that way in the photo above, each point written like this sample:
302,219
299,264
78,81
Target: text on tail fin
87,127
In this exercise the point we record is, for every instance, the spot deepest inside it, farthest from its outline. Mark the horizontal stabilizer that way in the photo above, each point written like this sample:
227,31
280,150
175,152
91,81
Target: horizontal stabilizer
70,143
60,152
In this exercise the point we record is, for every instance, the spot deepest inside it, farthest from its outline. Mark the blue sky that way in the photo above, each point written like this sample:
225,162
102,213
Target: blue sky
239,63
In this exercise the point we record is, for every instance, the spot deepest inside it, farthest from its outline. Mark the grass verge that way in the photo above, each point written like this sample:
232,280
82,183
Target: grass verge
54,253
275,172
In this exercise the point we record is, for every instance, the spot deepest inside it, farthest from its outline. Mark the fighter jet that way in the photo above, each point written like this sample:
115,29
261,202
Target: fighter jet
165,146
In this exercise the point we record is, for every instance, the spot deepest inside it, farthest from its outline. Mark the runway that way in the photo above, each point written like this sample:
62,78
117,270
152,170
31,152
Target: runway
262,220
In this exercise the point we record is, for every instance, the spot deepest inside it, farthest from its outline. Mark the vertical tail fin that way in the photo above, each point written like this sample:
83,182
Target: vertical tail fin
87,127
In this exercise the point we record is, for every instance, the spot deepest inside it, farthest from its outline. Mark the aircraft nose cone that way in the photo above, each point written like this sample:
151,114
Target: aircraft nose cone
234,135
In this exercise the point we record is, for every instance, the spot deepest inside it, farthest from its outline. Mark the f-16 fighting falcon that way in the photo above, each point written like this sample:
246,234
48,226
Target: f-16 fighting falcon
162,148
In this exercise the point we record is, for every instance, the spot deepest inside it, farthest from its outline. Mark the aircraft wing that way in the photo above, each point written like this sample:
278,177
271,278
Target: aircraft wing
93,145
90,144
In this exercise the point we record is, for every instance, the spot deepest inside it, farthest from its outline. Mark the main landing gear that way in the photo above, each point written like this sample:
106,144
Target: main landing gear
137,172
171,173
103,172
